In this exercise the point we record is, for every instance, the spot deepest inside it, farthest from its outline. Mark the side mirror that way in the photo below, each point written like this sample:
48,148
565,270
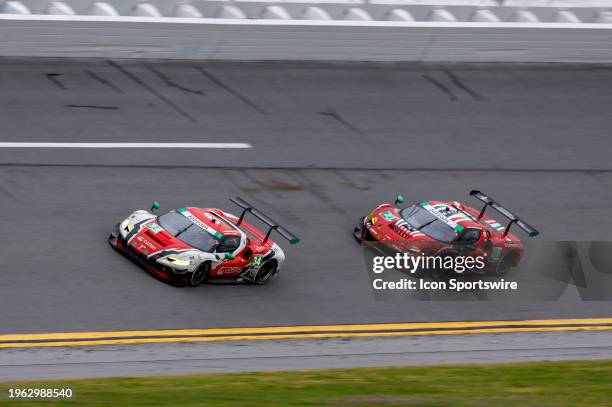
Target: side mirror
229,256
155,206
399,200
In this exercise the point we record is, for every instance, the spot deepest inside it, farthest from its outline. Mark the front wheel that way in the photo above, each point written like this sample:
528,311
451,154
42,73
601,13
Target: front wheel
199,275
359,230
265,272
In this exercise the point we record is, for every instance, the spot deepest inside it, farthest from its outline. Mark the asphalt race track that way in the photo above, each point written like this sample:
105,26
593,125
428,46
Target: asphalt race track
328,143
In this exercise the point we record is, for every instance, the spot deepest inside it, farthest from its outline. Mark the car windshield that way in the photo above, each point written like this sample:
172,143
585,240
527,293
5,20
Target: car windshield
188,232
427,223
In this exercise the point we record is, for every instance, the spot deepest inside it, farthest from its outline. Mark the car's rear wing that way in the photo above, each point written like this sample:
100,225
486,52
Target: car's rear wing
247,207
488,201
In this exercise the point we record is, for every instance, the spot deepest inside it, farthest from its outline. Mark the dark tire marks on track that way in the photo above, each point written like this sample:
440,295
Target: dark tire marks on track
92,107
459,83
168,81
343,121
152,91
54,79
104,82
220,83
445,89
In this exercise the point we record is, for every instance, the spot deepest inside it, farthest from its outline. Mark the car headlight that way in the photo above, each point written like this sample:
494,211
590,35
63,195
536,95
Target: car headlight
126,226
179,261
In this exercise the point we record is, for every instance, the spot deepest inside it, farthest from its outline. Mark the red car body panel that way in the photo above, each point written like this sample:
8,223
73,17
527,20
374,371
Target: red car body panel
386,225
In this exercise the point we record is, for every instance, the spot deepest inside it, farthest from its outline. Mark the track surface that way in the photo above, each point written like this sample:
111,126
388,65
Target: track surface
330,142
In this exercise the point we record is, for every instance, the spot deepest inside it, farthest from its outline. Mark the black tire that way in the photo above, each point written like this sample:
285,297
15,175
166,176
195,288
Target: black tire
115,232
264,273
505,265
114,236
199,275
359,232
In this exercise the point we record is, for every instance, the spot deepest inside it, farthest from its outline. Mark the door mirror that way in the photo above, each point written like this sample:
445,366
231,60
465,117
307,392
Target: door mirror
229,256
155,206
399,200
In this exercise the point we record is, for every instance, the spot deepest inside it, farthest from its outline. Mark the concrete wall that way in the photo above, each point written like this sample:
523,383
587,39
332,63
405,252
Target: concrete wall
355,30
378,10
53,36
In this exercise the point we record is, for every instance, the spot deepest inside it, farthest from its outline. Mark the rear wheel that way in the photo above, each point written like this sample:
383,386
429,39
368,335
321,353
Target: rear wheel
441,273
265,272
505,264
199,275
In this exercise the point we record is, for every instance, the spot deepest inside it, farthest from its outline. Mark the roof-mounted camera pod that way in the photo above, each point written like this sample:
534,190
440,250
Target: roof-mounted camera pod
488,201
247,207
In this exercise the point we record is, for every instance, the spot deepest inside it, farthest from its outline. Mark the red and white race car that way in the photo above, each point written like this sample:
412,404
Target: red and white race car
188,246
440,228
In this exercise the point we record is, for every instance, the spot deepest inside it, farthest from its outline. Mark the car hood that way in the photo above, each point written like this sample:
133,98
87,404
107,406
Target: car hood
148,238
387,224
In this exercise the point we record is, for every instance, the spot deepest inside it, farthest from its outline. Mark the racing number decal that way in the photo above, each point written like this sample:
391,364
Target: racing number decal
495,254
388,216
251,270
256,261
155,228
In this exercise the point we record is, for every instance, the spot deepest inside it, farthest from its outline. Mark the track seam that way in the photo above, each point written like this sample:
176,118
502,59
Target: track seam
321,168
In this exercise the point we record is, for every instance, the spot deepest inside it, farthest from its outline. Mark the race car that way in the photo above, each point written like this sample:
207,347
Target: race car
188,246
440,228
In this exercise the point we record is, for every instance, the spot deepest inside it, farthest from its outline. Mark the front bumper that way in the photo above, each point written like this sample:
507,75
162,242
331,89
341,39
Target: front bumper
361,232
163,273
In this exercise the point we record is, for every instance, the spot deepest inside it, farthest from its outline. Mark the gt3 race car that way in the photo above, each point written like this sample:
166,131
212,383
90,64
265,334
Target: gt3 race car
438,228
188,246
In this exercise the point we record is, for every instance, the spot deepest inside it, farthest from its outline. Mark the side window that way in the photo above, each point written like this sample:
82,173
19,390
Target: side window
469,235
229,244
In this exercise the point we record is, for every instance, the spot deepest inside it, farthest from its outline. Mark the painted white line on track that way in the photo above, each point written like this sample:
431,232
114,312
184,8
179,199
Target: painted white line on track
125,145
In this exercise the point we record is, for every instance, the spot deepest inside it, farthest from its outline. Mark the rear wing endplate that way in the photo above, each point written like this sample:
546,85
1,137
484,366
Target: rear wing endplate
488,201
247,207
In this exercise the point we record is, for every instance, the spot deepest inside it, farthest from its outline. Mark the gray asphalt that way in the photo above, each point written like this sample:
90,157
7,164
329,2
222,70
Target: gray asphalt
170,359
330,142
